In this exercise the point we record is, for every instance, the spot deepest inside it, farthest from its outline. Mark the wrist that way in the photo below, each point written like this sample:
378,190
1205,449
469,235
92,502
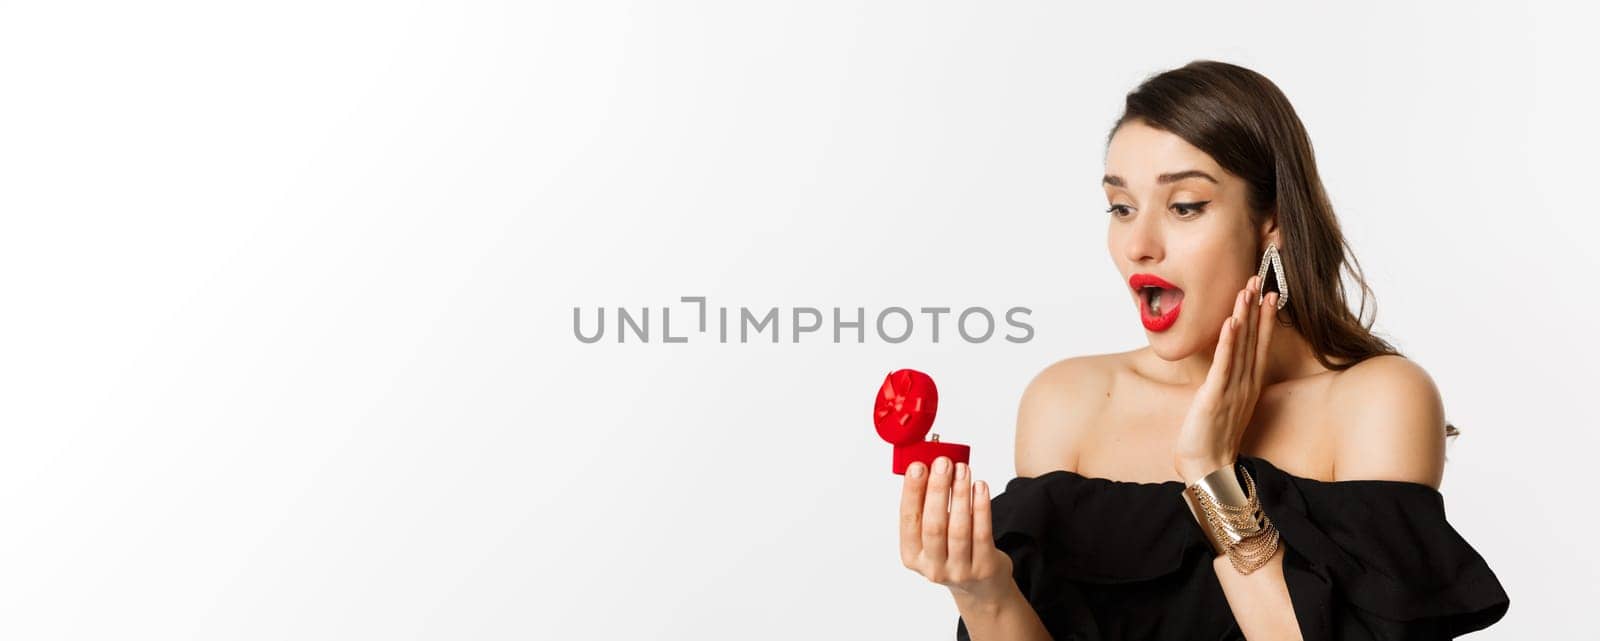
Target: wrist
1191,469
989,602
1231,516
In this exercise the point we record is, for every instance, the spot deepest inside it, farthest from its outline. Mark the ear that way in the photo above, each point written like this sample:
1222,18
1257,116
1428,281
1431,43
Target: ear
1269,231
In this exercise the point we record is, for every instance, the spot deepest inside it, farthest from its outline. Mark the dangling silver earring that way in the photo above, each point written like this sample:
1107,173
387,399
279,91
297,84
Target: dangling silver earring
1271,258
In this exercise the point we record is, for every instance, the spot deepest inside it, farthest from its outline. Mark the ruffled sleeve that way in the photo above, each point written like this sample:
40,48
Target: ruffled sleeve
1102,559
1105,560
1375,559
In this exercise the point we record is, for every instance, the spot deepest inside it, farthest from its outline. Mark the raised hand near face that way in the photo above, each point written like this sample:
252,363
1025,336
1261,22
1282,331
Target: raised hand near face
1211,431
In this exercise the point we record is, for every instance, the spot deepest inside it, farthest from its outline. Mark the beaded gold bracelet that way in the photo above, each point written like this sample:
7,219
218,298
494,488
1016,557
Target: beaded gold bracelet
1232,518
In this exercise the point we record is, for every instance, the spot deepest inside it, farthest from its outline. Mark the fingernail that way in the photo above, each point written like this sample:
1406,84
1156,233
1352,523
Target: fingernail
941,465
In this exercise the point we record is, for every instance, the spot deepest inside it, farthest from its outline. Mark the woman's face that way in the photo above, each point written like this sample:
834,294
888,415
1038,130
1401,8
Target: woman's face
1180,234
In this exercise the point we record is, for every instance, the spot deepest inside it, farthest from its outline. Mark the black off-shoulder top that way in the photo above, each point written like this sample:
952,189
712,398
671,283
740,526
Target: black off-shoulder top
1103,560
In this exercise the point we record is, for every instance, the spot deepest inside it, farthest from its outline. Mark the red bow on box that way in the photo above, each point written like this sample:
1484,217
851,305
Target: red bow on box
904,413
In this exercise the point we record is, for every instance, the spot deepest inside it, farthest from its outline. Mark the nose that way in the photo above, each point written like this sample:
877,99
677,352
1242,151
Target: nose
1142,240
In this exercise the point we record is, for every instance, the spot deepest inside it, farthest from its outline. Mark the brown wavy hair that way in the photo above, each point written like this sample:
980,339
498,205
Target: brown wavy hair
1244,122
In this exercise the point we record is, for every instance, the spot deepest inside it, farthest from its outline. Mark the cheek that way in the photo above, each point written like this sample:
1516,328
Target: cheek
1216,273
1219,300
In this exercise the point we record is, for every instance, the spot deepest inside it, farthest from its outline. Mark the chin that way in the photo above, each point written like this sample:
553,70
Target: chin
1173,344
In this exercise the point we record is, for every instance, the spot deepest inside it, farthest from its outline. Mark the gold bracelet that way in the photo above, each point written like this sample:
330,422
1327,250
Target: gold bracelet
1232,518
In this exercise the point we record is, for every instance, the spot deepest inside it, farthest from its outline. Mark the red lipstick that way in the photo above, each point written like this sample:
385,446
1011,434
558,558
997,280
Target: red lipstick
1159,301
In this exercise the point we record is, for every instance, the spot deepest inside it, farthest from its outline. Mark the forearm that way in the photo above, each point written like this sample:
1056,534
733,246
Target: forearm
1011,618
1258,595
1260,600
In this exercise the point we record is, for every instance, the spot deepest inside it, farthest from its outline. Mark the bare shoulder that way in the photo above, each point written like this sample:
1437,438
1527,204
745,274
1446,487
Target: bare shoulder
1390,422
1058,405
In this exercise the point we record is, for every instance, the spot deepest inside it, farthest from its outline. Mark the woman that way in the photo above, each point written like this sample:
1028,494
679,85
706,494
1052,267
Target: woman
1275,464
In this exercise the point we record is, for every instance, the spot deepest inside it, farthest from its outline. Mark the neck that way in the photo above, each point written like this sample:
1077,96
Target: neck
1289,356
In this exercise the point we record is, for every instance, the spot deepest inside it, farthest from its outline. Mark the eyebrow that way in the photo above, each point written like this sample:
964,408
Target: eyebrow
1116,181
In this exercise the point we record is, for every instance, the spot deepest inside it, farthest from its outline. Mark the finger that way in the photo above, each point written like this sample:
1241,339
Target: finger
982,518
984,550
1247,347
961,521
1222,360
911,512
935,517
1269,320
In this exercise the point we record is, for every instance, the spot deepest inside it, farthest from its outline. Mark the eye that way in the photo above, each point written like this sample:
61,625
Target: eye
1187,210
1119,211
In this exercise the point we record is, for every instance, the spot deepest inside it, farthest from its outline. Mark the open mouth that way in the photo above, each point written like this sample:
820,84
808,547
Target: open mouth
1159,301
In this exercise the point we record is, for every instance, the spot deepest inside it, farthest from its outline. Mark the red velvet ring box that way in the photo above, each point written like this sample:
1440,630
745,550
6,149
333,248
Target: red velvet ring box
903,415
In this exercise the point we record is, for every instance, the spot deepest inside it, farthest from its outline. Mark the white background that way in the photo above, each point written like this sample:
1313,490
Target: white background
286,346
